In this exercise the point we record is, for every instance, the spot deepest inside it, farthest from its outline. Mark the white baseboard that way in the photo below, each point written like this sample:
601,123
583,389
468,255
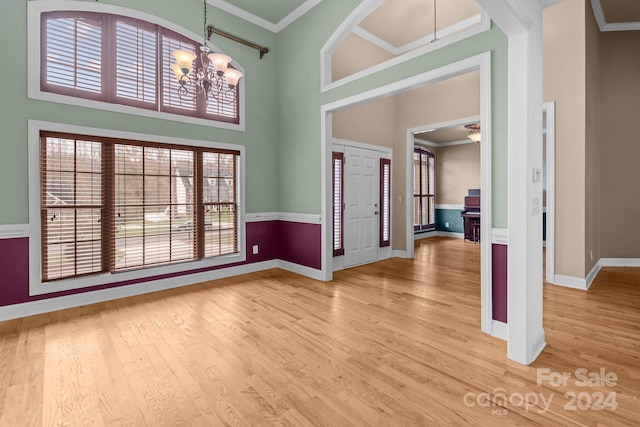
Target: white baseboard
450,234
585,284
399,254
539,343
619,262
500,330
430,234
93,297
570,282
300,269
592,274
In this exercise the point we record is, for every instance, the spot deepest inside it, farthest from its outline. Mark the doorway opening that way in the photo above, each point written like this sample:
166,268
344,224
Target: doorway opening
402,238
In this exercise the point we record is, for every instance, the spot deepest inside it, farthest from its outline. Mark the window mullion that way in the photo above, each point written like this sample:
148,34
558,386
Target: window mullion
108,58
108,208
199,207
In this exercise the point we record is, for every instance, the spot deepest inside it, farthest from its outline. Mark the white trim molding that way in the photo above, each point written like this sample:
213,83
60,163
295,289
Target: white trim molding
500,236
283,216
350,24
571,282
300,269
261,22
619,262
500,330
261,216
85,298
585,284
450,207
607,26
297,217
419,141
14,231
434,233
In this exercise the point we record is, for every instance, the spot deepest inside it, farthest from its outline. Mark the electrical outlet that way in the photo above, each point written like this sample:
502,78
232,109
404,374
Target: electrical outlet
591,255
255,249
446,224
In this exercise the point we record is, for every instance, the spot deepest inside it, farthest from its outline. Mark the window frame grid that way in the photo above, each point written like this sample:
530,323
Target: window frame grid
338,226
423,199
108,93
385,202
107,208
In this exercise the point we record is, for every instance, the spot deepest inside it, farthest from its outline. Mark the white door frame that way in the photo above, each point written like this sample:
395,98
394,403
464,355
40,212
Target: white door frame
480,62
338,145
549,109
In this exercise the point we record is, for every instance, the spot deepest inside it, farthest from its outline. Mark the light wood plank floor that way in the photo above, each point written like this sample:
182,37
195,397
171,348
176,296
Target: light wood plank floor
395,343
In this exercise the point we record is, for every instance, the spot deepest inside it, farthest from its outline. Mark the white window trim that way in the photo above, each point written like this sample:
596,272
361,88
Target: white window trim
37,7
36,284
351,23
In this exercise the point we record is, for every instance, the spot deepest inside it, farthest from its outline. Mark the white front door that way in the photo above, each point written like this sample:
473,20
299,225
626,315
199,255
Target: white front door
361,198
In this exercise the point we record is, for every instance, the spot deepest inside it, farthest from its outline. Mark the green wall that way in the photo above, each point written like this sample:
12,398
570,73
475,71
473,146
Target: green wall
300,101
283,102
260,137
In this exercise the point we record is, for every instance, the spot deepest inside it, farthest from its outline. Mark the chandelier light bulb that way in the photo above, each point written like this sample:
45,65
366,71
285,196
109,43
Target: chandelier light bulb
184,60
233,76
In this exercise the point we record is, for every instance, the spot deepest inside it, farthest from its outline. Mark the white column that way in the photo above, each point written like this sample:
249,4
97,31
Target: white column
522,23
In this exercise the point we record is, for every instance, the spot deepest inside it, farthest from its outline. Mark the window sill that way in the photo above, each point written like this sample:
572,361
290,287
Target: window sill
129,110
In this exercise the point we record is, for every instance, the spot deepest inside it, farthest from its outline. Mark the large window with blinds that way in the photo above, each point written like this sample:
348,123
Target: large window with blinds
120,60
113,205
424,190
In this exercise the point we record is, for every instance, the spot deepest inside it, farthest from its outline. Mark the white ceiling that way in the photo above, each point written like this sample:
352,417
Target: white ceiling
274,15
445,136
400,22
617,15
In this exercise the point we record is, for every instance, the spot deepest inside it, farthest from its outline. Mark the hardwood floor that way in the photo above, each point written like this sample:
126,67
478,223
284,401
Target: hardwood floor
393,343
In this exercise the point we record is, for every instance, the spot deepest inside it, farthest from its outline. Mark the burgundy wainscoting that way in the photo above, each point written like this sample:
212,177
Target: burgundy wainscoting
265,235
300,243
14,271
499,286
290,241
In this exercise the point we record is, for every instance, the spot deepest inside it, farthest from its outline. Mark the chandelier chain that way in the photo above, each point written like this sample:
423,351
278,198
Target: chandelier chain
204,26
435,29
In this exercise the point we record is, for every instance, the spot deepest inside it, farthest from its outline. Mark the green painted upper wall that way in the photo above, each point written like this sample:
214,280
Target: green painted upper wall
300,101
260,137
283,101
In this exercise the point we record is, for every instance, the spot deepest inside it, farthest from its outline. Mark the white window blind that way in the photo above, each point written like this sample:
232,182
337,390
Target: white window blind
116,59
73,48
136,67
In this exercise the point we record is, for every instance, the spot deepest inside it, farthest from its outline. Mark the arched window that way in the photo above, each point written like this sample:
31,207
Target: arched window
123,60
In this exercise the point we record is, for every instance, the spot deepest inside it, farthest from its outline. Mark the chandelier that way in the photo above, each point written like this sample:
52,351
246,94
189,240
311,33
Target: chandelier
474,132
210,75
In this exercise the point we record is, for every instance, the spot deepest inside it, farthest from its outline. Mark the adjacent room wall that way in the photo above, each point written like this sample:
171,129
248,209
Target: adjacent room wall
593,144
457,170
384,122
564,83
344,63
620,149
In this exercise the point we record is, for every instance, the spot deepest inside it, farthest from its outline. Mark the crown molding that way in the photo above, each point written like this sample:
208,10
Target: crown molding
606,26
261,22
